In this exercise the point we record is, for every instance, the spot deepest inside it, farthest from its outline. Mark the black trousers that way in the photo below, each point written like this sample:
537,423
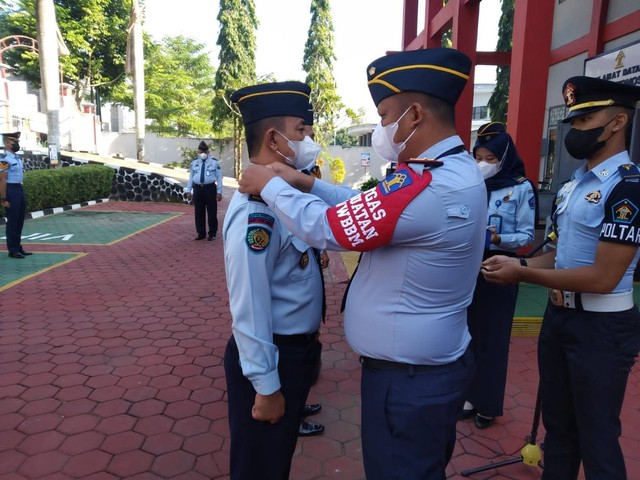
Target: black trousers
584,360
490,317
205,203
15,217
260,450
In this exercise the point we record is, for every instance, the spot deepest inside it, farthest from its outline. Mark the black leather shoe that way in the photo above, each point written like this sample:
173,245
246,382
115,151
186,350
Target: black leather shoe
25,253
311,409
483,422
200,237
310,429
211,237
16,255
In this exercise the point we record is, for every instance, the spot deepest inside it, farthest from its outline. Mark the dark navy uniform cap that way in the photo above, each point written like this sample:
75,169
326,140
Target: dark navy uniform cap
12,135
203,147
308,119
277,99
587,94
441,72
491,136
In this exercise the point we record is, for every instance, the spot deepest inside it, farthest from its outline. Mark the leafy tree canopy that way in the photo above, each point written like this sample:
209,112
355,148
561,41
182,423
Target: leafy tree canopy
94,32
499,101
178,87
318,63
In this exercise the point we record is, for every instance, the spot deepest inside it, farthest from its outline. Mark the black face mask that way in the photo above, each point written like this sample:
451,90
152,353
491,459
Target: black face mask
15,147
584,144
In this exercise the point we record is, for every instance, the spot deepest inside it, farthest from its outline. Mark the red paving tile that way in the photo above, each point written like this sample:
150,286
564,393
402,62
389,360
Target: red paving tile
111,367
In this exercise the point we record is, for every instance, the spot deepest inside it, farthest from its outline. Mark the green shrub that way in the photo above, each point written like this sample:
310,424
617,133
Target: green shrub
369,184
65,186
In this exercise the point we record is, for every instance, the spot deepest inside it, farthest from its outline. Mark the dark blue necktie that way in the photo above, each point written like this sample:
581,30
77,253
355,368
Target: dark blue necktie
202,173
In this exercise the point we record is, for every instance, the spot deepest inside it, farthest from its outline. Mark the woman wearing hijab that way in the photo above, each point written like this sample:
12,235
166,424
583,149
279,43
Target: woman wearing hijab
512,213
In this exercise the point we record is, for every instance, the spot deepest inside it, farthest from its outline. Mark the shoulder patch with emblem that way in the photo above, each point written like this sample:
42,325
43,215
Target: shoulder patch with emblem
394,182
624,211
258,238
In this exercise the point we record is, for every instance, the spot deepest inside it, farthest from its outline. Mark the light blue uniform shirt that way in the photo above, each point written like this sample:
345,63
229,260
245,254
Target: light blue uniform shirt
15,172
580,211
212,174
516,206
274,286
408,301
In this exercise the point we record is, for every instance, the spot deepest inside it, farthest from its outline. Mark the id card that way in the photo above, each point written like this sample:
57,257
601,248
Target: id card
495,221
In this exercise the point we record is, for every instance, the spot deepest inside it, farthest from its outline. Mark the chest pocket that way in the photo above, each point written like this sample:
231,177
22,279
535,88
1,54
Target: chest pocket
508,208
588,214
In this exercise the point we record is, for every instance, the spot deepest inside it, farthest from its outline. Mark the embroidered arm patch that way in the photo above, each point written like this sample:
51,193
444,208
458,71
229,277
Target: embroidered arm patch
259,228
621,223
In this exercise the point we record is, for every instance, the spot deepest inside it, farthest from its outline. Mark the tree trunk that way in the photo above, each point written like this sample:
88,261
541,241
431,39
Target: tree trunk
49,67
137,62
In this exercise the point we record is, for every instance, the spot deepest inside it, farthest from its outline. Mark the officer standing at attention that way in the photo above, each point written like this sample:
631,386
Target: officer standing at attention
590,334
421,231
13,201
205,179
275,295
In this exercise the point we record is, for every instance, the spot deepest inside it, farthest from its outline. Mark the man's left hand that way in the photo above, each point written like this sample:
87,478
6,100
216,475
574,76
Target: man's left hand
254,178
502,270
219,197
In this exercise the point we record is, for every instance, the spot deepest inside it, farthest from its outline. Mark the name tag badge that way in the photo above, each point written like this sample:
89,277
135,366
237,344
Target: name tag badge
495,221
209,173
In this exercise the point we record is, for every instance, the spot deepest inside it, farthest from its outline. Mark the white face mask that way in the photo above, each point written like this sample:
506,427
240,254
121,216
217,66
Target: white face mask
382,140
305,153
203,156
487,169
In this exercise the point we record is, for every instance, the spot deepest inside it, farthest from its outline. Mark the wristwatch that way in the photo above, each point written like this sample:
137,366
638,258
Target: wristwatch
523,262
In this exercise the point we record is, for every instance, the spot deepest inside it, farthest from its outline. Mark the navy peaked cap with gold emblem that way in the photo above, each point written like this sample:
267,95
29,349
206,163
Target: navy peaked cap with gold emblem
277,99
490,136
203,147
441,72
587,94
12,135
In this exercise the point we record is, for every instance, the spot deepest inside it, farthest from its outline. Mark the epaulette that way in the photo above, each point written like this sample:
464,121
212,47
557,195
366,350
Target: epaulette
256,198
521,179
428,163
629,173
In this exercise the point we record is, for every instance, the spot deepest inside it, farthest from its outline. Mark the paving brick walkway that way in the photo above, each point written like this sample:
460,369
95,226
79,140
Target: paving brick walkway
111,368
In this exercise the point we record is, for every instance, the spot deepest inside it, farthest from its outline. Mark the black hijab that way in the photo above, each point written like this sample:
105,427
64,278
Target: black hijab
494,137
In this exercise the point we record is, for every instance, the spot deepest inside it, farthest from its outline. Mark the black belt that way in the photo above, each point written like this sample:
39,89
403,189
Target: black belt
397,366
205,185
14,185
297,340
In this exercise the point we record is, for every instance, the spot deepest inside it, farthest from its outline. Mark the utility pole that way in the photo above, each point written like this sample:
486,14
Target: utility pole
50,45
135,66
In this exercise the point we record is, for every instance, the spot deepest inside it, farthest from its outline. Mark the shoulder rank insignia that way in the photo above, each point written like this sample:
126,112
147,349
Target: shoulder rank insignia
429,163
521,179
629,173
256,198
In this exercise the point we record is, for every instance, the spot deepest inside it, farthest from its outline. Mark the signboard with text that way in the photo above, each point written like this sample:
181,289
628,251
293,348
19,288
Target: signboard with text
621,65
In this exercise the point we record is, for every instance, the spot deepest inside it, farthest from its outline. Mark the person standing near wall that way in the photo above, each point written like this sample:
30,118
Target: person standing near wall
205,180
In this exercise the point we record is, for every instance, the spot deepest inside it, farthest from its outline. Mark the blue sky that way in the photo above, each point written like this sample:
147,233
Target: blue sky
363,31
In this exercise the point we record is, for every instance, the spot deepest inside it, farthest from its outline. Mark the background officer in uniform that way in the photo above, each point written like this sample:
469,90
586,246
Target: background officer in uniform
205,179
14,201
590,334
421,231
275,296
512,204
